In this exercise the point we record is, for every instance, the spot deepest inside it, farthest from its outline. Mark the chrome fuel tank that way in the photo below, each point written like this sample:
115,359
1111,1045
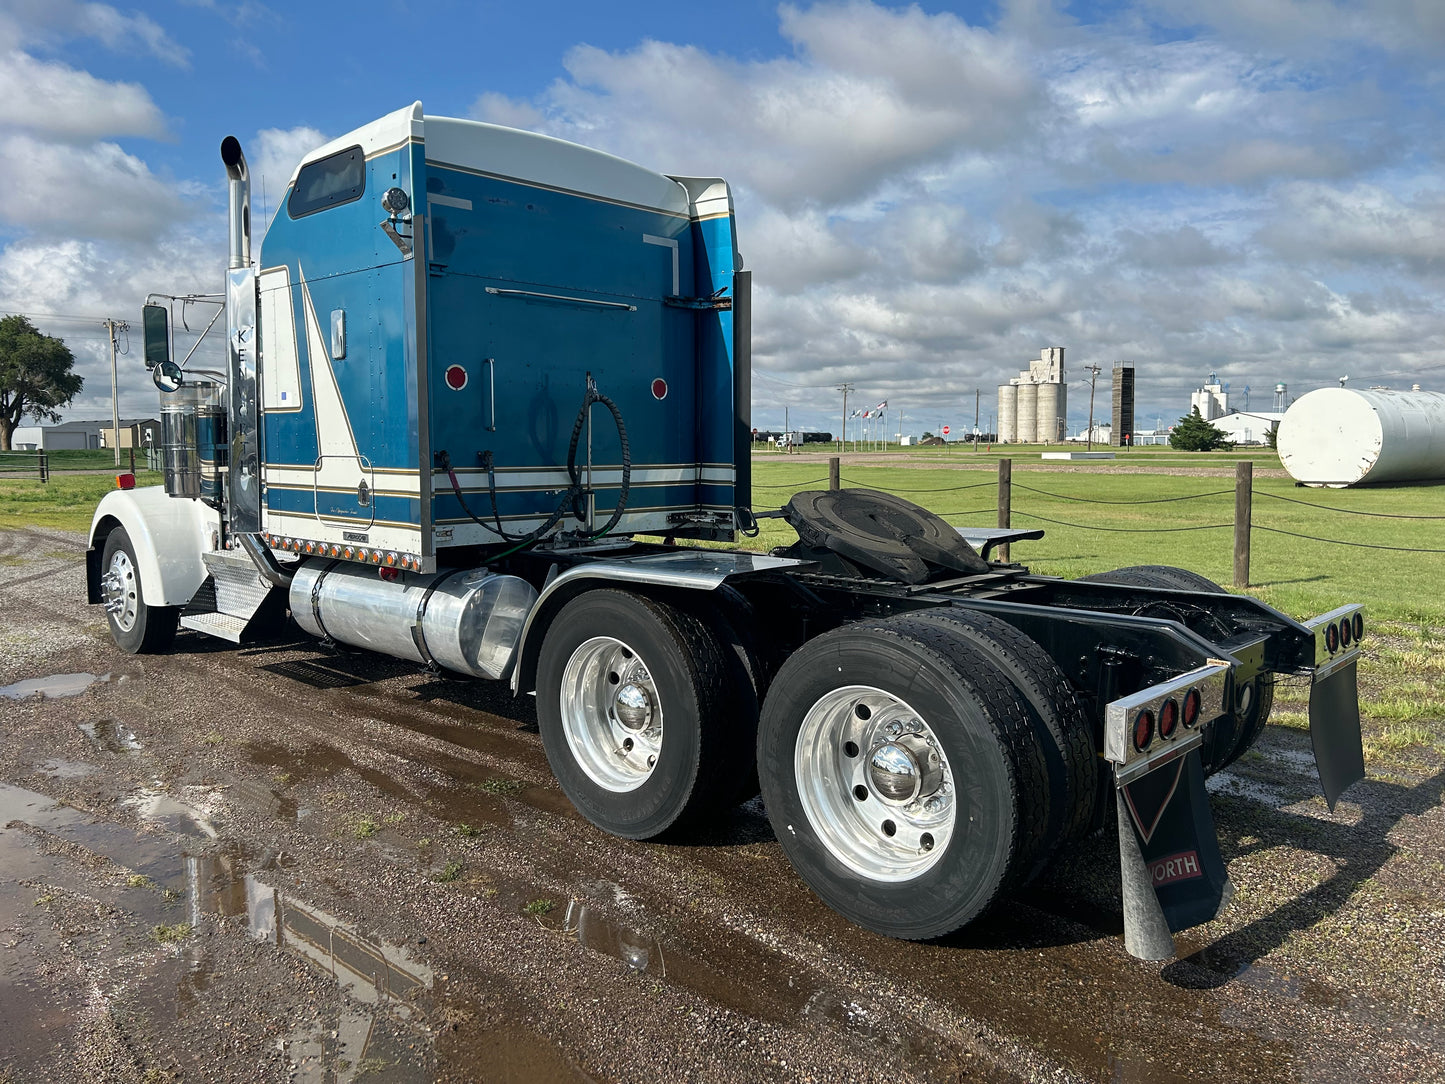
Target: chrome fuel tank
467,620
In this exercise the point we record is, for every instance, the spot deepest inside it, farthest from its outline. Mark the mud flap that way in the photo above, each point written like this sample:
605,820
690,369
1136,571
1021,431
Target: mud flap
1335,731
1173,874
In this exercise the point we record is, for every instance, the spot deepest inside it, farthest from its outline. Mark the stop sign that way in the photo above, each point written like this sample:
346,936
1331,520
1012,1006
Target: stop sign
945,430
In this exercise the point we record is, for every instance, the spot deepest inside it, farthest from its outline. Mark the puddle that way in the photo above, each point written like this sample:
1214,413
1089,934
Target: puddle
638,949
172,813
382,1022
112,735
52,687
56,768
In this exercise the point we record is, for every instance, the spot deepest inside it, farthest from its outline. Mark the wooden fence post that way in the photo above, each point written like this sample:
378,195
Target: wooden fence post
1005,501
1243,509
833,474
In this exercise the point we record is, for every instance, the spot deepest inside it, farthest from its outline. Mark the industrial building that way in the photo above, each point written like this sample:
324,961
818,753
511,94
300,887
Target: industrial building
1212,400
1032,407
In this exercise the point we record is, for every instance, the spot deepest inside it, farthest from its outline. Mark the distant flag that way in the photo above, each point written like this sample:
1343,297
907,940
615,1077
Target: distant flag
882,406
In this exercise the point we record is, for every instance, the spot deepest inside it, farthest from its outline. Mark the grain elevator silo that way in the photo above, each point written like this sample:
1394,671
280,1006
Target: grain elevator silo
1033,407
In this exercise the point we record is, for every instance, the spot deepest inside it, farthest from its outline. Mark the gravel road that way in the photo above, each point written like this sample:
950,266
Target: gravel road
282,863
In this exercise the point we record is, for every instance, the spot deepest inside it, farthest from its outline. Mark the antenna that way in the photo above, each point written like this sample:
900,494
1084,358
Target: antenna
1246,397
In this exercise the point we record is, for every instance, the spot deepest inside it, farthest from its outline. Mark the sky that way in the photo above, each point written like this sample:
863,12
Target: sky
927,194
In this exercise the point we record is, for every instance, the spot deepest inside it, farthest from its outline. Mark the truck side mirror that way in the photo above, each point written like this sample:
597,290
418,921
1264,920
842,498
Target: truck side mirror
167,376
157,334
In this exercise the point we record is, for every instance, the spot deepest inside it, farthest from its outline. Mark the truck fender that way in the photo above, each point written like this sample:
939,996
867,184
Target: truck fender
169,535
684,569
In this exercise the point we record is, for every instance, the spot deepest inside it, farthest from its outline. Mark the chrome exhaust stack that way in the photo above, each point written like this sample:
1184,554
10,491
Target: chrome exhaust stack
240,195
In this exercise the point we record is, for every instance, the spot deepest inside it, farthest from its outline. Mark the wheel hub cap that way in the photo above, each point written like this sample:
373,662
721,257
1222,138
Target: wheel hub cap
634,707
905,768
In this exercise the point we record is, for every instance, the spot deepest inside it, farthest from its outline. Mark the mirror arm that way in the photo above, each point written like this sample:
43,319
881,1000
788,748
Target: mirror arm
198,342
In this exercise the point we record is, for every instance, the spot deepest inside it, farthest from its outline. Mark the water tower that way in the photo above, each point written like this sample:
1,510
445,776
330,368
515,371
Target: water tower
1281,398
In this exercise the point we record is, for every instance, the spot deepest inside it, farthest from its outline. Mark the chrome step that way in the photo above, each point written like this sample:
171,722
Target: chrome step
240,588
225,626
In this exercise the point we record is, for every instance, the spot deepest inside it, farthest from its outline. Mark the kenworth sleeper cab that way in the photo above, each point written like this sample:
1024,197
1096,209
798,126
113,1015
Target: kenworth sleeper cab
484,393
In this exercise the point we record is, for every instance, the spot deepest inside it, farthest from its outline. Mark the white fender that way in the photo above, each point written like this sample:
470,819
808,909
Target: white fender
169,535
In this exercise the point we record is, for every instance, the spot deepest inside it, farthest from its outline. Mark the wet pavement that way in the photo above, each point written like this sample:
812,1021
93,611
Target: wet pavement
283,863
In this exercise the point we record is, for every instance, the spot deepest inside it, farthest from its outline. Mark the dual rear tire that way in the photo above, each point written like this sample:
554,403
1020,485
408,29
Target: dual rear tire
910,774
913,768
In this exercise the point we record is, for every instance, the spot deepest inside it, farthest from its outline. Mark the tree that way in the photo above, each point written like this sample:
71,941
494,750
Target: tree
1194,434
35,376
1271,435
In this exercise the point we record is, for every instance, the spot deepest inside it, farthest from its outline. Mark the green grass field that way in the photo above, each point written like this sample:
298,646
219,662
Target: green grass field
67,501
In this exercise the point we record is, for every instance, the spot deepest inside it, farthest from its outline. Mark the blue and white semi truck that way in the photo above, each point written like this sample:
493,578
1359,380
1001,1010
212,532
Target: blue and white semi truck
484,393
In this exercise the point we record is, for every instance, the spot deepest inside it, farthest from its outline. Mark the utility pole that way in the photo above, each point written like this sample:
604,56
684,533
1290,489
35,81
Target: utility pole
843,442
112,326
1093,371
976,393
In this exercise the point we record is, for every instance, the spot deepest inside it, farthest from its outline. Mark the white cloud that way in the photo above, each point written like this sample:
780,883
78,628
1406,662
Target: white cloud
62,103
47,21
1362,224
94,191
866,93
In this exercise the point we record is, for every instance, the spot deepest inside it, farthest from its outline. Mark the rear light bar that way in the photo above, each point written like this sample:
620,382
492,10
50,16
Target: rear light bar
1337,637
1163,722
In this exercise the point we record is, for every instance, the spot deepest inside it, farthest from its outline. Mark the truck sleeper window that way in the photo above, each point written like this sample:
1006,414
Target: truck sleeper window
328,182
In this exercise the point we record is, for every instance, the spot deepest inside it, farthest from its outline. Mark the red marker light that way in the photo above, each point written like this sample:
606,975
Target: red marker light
125,481
1143,729
1168,718
1191,707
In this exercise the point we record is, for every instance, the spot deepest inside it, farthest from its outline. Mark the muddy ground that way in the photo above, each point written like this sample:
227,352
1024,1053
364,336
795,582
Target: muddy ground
280,863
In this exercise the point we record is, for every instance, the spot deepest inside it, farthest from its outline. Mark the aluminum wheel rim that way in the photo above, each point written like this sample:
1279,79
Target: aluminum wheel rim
603,684
875,836
120,592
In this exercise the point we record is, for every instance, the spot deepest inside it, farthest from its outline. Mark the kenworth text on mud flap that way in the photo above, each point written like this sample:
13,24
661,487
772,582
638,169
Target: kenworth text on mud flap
482,388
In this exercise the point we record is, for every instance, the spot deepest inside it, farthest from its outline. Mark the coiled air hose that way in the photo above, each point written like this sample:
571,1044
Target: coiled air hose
572,499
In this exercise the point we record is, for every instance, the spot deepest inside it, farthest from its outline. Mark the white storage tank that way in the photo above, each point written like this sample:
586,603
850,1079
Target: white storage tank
1339,437
1008,413
1028,423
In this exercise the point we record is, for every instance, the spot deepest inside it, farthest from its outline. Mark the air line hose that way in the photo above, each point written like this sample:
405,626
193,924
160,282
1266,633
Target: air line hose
571,500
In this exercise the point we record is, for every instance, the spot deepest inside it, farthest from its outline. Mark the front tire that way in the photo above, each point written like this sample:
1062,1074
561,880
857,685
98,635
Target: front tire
902,776
137,627
631,706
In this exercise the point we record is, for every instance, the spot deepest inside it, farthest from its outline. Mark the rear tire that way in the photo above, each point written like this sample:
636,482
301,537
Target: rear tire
1226,743
137,627
850,715
631,705
1059,722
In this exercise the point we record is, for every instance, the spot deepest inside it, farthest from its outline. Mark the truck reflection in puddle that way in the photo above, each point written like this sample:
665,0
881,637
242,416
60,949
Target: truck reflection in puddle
381,980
